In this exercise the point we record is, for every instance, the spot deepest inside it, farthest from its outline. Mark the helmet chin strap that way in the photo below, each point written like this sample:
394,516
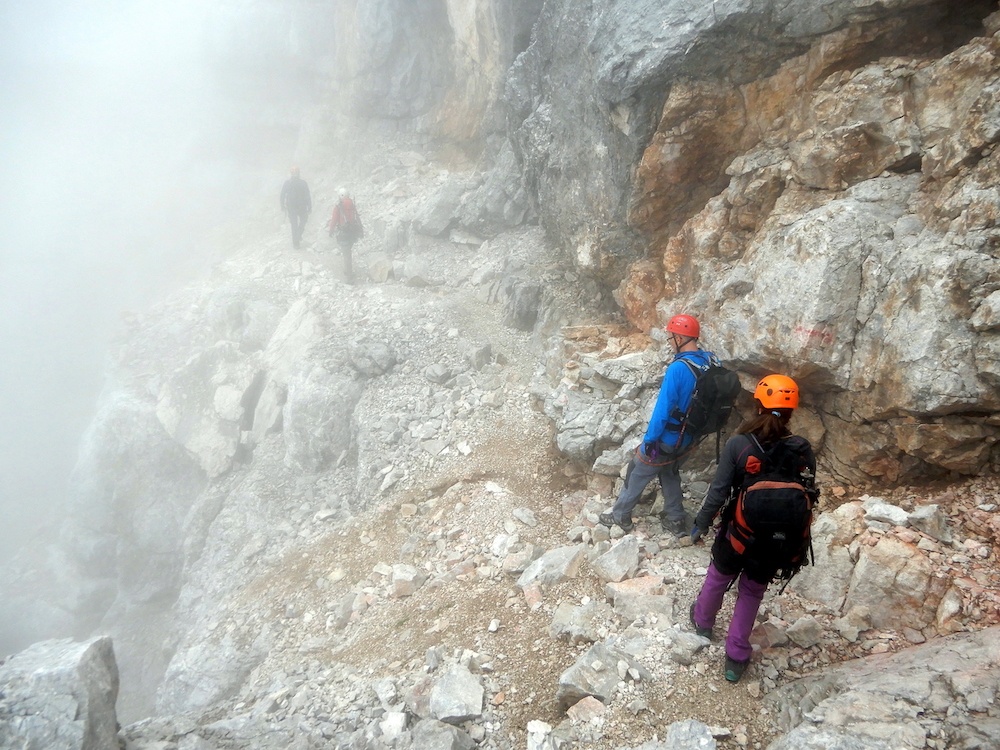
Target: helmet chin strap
680,341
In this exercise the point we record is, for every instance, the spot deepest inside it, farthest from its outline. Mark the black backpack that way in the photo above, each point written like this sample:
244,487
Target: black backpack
772,514
711,402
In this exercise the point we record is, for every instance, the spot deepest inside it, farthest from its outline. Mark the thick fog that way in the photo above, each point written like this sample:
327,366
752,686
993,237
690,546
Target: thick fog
117,159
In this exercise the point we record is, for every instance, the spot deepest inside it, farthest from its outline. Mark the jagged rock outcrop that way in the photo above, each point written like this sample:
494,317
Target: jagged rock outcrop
60,695
872,281
675,154
941,694
892,571
849,243
732,141
581,115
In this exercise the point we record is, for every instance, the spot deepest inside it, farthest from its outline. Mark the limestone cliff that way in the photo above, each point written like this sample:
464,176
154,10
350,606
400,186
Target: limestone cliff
544,182
816,182
819,185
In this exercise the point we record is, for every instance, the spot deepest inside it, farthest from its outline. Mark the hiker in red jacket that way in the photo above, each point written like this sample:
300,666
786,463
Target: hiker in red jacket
346,224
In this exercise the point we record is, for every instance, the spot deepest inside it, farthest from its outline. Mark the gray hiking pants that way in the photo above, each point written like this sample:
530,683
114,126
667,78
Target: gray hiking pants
638,475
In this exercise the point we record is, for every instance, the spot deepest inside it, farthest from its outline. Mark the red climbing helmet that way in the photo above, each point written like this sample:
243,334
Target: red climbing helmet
684,325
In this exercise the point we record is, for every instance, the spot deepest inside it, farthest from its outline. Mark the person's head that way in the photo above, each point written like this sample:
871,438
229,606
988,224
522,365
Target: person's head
776,397
294,171
341,192
684,331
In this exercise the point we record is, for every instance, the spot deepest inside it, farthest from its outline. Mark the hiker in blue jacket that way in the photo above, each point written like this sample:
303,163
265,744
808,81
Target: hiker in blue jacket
665,445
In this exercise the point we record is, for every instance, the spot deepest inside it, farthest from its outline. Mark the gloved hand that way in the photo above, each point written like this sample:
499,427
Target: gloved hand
649,450
696,534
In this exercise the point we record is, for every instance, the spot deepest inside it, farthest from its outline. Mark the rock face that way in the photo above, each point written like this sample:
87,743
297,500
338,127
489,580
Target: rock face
863,565
563,97
904,700
848,243
718,163
845,273
437,63
816,181
60,695
820,190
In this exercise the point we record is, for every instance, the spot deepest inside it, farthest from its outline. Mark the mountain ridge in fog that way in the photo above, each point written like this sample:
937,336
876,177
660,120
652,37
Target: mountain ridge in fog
301,498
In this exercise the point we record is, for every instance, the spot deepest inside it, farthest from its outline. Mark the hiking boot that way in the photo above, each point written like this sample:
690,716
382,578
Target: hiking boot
735,669
678,528
703,632
608,520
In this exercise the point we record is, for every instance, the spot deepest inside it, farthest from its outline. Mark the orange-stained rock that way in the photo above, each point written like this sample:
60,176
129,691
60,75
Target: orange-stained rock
638,294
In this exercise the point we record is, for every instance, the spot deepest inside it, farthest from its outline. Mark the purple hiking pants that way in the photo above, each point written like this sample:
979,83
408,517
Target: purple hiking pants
748,598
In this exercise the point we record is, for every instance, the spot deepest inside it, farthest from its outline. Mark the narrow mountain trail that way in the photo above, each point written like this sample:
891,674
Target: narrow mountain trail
394,585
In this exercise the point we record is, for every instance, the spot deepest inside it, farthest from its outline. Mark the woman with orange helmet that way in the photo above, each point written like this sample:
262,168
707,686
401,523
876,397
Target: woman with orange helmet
763,447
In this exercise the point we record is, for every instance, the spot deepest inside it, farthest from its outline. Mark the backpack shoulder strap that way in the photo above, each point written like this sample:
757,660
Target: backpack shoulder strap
696,369
697,372
691,366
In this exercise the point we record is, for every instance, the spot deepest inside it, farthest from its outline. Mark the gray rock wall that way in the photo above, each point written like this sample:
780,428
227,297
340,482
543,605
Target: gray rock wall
827,215
937,695
683,152
581,114
433,65
60,695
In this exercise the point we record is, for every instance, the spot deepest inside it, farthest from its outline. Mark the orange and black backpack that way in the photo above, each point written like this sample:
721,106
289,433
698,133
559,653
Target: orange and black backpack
772,513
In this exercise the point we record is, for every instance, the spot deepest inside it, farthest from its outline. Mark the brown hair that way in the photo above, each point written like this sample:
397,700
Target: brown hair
767,425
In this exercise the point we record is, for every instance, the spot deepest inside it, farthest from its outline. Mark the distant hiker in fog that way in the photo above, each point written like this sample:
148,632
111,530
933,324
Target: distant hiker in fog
297,203
665,445
765,489
346,224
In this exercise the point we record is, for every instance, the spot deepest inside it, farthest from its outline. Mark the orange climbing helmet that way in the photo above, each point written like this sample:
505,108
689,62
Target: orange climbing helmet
684,325
777,392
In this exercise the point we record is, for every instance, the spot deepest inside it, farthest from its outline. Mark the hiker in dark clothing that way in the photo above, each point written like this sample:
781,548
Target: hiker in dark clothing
752,451
346,224
297,203
664,445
